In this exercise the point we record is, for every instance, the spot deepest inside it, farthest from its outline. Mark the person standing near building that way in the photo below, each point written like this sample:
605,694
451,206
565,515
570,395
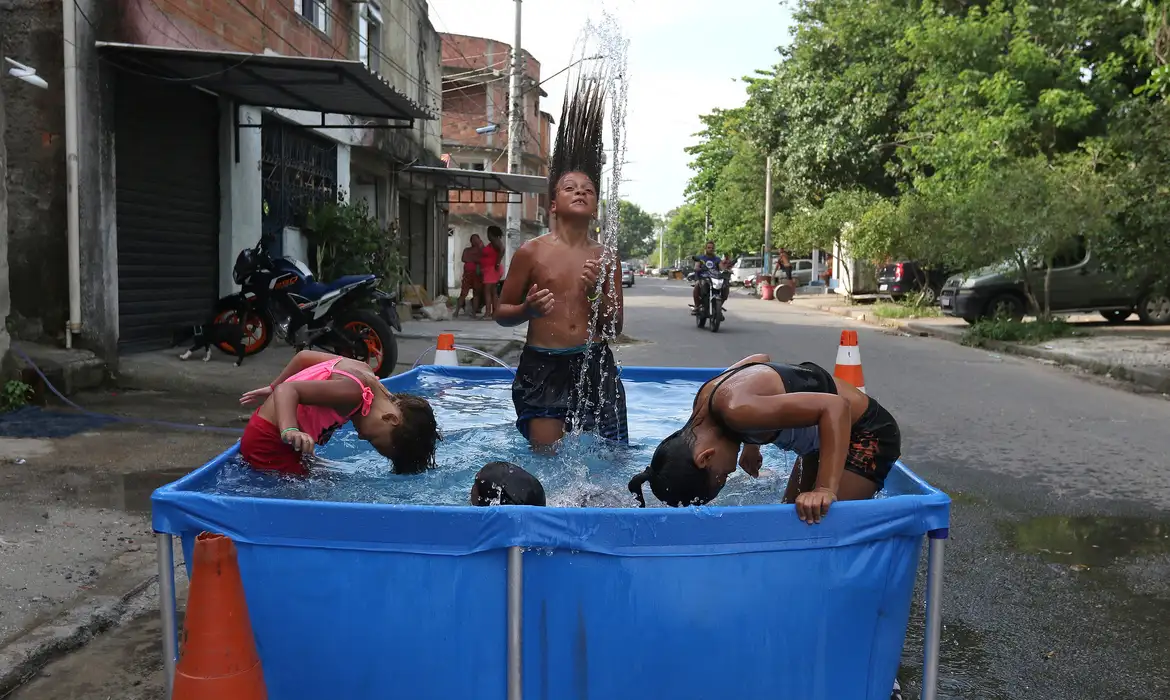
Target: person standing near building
471,276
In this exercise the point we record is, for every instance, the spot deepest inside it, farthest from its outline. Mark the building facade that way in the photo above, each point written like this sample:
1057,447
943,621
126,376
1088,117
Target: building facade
475,97
202,127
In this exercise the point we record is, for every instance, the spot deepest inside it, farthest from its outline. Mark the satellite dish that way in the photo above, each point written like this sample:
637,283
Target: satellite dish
27,74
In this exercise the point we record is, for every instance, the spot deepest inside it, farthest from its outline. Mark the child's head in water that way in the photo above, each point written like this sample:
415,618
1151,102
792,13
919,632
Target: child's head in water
506,484
674,476
406,432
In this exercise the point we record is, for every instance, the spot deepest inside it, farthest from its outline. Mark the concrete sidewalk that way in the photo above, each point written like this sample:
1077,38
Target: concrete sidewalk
1128,351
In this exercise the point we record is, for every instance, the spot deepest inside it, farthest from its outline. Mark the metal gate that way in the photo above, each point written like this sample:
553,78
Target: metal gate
298,171
167,197
414,234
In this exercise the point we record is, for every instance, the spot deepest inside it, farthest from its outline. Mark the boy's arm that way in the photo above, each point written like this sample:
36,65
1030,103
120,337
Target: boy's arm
341,395
511,309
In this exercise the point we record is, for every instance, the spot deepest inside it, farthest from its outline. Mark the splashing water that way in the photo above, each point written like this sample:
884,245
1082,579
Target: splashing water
478,424
605,39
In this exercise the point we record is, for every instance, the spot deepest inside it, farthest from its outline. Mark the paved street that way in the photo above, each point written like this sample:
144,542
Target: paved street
1058,573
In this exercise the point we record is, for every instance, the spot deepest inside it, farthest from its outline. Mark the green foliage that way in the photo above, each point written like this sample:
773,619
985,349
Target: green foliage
635,231
684,235
1005,330
15,394
912,308
350,241
958,134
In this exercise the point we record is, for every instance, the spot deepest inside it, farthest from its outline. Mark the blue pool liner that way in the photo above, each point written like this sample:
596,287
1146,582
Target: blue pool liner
364,601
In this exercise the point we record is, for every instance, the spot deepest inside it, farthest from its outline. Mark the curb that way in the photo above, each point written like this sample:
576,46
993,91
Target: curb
71,630
1157,381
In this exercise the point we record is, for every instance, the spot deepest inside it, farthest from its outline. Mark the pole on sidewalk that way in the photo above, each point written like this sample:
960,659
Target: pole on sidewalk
515,125
768,217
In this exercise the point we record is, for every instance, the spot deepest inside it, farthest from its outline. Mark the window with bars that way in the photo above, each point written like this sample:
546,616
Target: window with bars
370,32
315,11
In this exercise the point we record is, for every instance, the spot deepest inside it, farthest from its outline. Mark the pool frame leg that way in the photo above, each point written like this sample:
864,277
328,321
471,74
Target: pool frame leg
166,603
933,633
515,623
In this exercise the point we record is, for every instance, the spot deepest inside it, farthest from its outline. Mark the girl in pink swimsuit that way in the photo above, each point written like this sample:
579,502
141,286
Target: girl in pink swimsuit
318,393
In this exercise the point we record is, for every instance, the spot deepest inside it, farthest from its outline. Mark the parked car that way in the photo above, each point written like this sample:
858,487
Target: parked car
627,275
1077,284
746,267
908,277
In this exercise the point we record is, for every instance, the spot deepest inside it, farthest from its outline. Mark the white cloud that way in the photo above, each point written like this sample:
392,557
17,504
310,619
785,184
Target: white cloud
685,57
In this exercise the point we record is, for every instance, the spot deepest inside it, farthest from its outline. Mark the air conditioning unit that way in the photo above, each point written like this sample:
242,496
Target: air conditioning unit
541,216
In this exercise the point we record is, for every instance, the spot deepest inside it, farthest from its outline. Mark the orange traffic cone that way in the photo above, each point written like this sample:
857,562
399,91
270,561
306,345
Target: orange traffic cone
218,656
445,351
849,361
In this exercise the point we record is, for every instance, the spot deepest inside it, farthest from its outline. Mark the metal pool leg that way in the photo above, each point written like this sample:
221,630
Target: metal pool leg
166,602
933,636
515,620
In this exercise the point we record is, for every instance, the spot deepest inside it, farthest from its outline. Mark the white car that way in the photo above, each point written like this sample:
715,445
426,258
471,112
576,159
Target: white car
627,275
745,268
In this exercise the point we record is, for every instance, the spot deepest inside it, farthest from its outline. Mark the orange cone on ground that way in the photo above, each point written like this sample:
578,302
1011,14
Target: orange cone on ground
849,361
217,657
445,354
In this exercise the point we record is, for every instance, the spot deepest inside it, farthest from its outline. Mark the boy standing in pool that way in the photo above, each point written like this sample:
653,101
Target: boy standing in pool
553,284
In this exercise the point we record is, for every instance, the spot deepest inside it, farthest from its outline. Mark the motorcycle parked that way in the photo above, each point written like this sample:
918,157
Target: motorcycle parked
714,285
279,297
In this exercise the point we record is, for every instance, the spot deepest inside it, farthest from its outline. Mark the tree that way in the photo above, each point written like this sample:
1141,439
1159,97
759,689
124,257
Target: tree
635,231
684,234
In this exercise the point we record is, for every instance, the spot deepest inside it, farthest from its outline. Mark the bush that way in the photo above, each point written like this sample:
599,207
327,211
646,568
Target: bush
1006,330
15,394
350,241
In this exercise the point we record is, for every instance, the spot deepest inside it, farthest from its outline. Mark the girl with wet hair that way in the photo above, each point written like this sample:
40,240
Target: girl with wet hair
506,484
845,441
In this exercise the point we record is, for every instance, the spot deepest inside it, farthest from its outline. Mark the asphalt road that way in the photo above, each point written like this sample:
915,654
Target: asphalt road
1058,573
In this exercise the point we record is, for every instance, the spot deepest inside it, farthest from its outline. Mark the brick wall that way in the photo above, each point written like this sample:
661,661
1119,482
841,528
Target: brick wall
249,26
467,107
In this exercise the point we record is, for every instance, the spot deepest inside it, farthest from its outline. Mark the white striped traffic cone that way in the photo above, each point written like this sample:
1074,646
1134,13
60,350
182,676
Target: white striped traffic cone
849,361
445,355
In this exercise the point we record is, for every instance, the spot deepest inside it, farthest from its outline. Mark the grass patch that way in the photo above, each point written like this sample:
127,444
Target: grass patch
1025,332
886,309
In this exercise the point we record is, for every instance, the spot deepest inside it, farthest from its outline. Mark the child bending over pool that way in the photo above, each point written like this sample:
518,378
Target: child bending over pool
506,484
316,394
553,283
845,441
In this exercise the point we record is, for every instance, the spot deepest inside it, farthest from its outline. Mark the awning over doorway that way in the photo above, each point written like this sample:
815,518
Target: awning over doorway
484,186
321,85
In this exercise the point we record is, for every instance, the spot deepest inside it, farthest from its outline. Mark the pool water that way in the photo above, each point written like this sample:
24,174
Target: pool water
478,423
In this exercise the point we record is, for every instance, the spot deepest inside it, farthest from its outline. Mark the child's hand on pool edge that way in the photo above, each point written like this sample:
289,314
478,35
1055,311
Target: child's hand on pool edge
813,505
301,442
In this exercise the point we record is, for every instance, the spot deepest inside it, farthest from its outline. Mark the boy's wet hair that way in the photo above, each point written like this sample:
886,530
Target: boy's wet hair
579,148
506,484
412,449
674,477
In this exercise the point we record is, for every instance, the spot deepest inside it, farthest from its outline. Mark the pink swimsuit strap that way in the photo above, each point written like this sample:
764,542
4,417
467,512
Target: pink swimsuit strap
326,370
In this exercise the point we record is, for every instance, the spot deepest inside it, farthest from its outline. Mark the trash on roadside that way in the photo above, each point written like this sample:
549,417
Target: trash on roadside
1078,567
438,310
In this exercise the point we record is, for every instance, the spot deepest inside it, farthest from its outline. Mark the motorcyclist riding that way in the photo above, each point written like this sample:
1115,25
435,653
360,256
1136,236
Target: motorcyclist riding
708,255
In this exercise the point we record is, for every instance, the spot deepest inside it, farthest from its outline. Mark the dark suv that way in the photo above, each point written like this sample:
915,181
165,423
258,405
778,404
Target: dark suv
909,277
1077,283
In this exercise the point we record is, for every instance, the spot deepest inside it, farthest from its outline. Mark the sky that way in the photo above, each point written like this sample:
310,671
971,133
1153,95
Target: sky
685,58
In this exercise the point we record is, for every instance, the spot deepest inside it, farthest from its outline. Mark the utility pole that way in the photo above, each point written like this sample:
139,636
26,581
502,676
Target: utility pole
768,217
515,126
661,237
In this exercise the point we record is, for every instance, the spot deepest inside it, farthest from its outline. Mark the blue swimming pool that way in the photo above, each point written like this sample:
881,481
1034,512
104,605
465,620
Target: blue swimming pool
372,600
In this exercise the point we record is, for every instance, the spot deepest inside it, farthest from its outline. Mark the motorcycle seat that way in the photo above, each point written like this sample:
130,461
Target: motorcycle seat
316,290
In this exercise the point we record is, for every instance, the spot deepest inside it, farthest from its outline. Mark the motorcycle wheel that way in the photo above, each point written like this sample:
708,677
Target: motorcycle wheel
258,329
381,344
716,315
700,319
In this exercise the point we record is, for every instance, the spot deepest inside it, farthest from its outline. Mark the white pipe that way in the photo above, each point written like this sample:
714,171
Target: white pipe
69,20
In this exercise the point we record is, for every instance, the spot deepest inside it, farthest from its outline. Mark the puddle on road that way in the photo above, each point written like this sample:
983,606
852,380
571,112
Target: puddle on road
965,669
1089,541
129,492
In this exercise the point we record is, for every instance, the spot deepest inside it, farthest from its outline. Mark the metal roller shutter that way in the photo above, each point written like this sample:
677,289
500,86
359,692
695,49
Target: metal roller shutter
167,193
